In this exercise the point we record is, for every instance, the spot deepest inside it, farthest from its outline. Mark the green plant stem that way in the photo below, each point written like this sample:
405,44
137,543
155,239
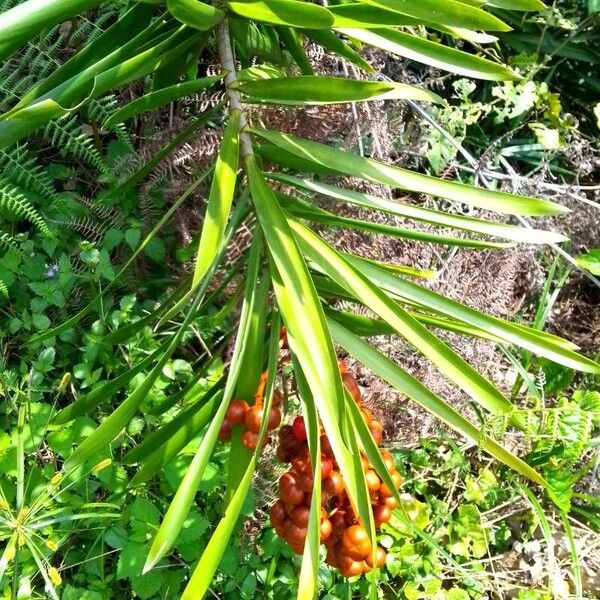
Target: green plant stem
225,49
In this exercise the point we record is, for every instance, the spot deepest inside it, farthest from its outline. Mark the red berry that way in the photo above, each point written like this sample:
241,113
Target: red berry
326,467
254,417
274,418
299,428
250,439
236,412
225,431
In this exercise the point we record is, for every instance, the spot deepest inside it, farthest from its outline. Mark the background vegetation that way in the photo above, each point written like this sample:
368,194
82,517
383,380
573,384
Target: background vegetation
148,256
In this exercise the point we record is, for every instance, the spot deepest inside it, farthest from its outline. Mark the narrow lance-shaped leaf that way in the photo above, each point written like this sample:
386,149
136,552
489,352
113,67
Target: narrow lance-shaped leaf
404,209
21,23
19,123
432,53
220,198
184,497
309,571
542,345
195,14
213,553
155,100
310,212
307,331
313,89
372,170
283,12
248,382
449,12
111,47
444,358
389,371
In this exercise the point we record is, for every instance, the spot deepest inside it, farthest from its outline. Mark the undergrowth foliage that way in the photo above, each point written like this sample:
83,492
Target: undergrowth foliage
277,184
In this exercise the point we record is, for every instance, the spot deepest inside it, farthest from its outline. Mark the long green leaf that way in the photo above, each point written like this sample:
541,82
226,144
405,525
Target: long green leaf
155,100
184,497
432,53
529,339
445,359
111,47
313,89
211,557
81,88
219,199
307,331
313,213
22,22
403,209
195,14
372,170
389,371
283,12
450,13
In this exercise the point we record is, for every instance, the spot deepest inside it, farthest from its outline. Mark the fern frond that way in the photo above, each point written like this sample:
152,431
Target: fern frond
101,109
102,212
8,241
86,31
88,228
17,206
20,166
65,133
3,289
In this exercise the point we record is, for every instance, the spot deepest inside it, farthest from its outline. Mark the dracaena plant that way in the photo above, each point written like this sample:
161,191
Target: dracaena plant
291,274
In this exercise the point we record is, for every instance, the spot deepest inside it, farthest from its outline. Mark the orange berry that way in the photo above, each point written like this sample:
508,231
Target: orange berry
254,417
376,429
289,490
225,431
356,542
380,557
350,567
381,514
299,428
385,490
326,467
300,515
352,386
391,502
274,418
250,439
278,514
389,461
236,412
334,484
326,529
373,481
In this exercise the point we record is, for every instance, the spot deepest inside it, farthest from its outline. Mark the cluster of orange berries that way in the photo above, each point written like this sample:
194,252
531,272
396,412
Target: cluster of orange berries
348,544
239,412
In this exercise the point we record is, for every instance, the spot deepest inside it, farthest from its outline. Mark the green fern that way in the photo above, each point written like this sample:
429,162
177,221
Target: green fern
8,241
101,109
19,165
3,289
16,206
87,227
65,133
